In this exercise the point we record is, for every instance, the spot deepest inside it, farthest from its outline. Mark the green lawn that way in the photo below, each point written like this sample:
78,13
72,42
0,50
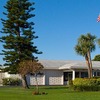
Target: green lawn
54,93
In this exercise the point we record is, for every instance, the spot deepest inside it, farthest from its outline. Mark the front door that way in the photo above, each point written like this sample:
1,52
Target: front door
69,76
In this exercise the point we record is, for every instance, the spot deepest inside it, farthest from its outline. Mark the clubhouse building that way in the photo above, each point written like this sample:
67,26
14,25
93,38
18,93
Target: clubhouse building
59,72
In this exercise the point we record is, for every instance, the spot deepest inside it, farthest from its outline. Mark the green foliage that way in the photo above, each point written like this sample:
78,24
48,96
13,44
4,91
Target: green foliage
96,58
86,84
11,69
85,43
17,33
12,81
98,41
70,82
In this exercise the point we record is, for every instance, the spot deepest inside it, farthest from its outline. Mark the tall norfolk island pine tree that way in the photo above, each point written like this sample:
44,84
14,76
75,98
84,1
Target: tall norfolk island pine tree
18,33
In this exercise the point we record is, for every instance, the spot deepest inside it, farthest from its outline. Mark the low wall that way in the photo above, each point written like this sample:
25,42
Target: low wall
6,75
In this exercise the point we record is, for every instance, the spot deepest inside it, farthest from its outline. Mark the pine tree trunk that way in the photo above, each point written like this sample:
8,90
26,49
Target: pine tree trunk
24,82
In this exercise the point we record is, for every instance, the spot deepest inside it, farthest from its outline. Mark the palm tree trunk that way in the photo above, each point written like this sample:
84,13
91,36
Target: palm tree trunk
88,64
89,56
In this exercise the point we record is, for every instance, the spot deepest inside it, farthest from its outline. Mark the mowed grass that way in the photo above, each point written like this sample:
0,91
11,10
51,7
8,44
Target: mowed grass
53,93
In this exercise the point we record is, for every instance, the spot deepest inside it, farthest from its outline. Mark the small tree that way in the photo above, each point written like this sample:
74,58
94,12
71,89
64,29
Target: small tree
29,67
84,47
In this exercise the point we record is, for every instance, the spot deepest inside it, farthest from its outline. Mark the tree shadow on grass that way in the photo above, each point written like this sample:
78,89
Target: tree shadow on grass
55,87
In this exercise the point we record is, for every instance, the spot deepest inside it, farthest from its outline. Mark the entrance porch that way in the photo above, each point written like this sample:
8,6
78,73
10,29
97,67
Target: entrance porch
72,74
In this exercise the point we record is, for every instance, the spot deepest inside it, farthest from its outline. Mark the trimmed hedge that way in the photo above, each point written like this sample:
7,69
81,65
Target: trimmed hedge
86,84
12,81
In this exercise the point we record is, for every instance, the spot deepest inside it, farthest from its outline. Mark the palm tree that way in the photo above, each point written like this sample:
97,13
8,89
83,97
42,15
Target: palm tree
84,47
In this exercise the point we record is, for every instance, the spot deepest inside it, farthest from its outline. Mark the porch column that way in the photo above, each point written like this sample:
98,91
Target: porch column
73,74
93,73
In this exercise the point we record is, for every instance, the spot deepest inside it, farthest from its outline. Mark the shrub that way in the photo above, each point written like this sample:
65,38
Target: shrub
96,77
70,82
11,81
86,84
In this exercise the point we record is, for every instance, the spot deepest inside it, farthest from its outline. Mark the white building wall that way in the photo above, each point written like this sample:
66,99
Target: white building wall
12,75
50,77
1,77
53,77
6,75
40,79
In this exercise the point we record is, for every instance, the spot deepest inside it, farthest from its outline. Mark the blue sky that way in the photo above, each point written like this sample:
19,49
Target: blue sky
59,23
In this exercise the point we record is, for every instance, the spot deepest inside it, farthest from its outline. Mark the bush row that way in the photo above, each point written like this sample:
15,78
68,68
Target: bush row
86,84
12,81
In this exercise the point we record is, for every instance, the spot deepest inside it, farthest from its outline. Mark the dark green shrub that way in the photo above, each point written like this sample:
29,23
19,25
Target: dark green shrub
96,77
5,81
85,84
98,81
70,82
11,81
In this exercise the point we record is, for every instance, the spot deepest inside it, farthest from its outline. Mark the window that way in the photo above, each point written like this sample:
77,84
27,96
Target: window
98,73
84,74
76,74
